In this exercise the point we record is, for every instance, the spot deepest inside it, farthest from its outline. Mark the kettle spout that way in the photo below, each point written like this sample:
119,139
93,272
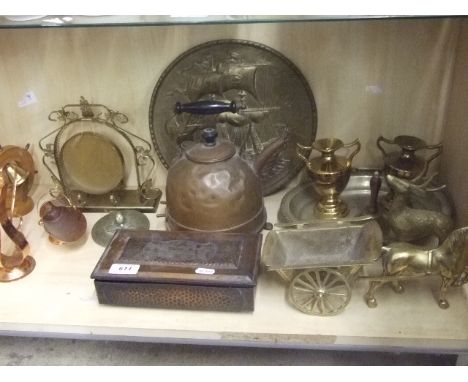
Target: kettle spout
270,151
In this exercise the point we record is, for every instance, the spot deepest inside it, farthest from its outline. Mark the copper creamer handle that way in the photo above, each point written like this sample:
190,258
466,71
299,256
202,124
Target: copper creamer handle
353,154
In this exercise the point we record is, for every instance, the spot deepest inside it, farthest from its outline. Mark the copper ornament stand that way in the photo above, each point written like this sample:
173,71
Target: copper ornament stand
16,178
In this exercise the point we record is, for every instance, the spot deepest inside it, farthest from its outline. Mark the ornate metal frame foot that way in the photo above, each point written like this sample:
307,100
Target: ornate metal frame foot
397,287
371,301
443,304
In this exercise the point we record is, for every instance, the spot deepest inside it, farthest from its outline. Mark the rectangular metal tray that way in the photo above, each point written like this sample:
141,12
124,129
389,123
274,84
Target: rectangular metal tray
331,245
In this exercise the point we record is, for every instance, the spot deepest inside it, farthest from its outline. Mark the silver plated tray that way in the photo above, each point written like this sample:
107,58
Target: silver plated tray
273,93
297,206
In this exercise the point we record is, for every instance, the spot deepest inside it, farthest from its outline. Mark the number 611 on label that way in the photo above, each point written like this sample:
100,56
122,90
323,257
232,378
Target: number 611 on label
124,269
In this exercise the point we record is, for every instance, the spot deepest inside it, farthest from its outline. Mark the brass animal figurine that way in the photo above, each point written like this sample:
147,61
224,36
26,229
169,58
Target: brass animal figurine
405,261
407,223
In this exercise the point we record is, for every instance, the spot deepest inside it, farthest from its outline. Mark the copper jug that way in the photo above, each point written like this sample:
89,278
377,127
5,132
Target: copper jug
211,188
330,174
405,163
64,224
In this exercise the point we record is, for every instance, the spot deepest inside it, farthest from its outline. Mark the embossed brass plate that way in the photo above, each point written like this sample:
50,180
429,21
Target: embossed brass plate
180,270
274,94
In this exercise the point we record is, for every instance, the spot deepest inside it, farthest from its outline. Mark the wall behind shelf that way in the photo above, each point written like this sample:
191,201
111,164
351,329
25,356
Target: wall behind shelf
454,157
371,77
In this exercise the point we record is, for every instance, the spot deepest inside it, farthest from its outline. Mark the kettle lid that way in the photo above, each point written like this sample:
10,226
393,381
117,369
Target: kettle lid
410,142
210,150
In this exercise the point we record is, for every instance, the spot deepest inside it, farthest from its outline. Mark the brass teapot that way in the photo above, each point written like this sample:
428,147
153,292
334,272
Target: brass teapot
211,188
330,174
405,163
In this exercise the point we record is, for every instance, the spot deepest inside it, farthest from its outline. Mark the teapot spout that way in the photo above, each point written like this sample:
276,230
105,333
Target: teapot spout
270,151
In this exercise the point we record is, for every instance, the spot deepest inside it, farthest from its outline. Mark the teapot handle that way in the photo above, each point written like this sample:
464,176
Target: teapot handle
301,155
379,145
353,154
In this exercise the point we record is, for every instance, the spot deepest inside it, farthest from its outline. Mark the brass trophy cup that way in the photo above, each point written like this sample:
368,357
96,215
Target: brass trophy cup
330,174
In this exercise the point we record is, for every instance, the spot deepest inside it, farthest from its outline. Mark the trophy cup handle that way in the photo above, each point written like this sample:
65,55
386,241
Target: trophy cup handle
379,145
300,148
438,151
353,154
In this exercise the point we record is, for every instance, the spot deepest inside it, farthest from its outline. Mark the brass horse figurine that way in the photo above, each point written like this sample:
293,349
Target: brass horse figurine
404,260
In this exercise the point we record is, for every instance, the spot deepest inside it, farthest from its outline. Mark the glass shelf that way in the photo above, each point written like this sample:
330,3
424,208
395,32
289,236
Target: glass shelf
147,20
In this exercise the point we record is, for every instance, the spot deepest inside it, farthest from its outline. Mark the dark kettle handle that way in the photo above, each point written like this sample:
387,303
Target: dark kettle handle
206,107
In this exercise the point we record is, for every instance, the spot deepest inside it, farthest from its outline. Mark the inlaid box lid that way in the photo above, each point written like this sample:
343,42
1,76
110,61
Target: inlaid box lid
196,258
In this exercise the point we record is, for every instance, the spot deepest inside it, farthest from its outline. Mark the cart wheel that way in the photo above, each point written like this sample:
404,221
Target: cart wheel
320,292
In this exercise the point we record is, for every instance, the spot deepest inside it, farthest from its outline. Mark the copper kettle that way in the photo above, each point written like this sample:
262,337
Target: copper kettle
211,188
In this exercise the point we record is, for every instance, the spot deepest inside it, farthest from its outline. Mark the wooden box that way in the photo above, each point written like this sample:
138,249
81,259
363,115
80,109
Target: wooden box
179,270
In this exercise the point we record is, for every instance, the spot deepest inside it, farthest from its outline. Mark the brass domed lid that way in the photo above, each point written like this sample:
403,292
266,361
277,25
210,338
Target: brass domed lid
210,150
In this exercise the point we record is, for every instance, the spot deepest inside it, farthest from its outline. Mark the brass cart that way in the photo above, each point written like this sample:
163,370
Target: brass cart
321,263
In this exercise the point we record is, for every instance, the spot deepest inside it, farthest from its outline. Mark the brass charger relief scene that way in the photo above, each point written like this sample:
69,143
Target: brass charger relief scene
272,95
